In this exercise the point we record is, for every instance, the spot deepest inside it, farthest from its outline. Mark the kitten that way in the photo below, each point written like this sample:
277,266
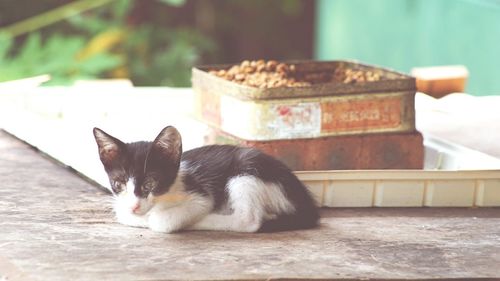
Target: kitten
217,187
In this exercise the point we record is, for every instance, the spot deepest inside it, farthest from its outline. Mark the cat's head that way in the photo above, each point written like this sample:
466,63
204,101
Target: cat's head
140,171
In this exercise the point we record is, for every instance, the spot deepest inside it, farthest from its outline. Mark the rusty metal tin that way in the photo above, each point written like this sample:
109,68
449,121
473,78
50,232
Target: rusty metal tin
319,110
372,151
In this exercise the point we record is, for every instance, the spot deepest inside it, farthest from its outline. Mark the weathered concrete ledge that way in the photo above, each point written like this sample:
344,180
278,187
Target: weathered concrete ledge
56,226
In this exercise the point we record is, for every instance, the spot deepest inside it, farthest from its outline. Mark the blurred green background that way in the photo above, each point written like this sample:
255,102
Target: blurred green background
152,42
402,34
156,42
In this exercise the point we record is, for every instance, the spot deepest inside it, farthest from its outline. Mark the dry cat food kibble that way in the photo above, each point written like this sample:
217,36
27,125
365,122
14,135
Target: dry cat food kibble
262,74
352,76
272,74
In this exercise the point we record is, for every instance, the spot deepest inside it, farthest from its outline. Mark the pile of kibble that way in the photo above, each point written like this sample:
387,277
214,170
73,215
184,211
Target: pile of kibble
262,74
347,75
272,74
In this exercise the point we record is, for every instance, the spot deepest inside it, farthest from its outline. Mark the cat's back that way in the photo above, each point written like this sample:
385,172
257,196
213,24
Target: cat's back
212,156
223,162
223,159
208,169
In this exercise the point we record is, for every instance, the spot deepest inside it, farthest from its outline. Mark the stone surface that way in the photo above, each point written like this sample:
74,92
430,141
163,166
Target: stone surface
56,226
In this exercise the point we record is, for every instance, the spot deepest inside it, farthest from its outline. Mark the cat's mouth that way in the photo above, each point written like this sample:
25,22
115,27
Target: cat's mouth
140,213
141,209
136,206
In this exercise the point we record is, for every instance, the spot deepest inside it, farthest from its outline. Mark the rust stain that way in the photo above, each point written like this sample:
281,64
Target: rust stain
372,151
365,114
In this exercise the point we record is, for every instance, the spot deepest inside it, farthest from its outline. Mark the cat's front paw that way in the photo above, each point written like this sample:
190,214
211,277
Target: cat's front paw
159,222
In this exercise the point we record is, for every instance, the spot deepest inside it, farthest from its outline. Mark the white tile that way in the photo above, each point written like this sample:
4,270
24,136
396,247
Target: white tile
349,194
317,190
450,193
399,193
488,193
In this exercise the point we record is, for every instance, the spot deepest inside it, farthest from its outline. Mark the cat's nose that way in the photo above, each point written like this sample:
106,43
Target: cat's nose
136,207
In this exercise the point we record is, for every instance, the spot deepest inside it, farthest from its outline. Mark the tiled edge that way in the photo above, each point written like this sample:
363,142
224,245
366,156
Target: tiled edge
349,194
487,193
399,193
317,189
450,193
403,188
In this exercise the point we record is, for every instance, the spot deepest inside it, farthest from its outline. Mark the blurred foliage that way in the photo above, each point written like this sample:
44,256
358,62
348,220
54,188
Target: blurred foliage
102,44
37,58
153,54
151,42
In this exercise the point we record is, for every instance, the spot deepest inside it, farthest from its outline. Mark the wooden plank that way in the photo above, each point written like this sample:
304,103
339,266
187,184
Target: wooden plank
55,226
10,272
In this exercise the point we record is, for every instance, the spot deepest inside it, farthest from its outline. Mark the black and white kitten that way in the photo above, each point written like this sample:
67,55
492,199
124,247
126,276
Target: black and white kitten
217,187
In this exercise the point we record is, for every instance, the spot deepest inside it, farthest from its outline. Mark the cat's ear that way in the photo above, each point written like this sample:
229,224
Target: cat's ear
110,147
169,144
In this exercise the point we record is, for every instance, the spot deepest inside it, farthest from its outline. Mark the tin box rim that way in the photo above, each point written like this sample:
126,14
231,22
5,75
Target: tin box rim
398,82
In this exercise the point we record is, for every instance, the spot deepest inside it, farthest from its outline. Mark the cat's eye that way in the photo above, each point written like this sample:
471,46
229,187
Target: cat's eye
148,186
118,186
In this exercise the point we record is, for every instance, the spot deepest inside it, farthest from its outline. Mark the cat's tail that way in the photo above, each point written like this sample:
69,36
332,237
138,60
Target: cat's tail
299,220
305,216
